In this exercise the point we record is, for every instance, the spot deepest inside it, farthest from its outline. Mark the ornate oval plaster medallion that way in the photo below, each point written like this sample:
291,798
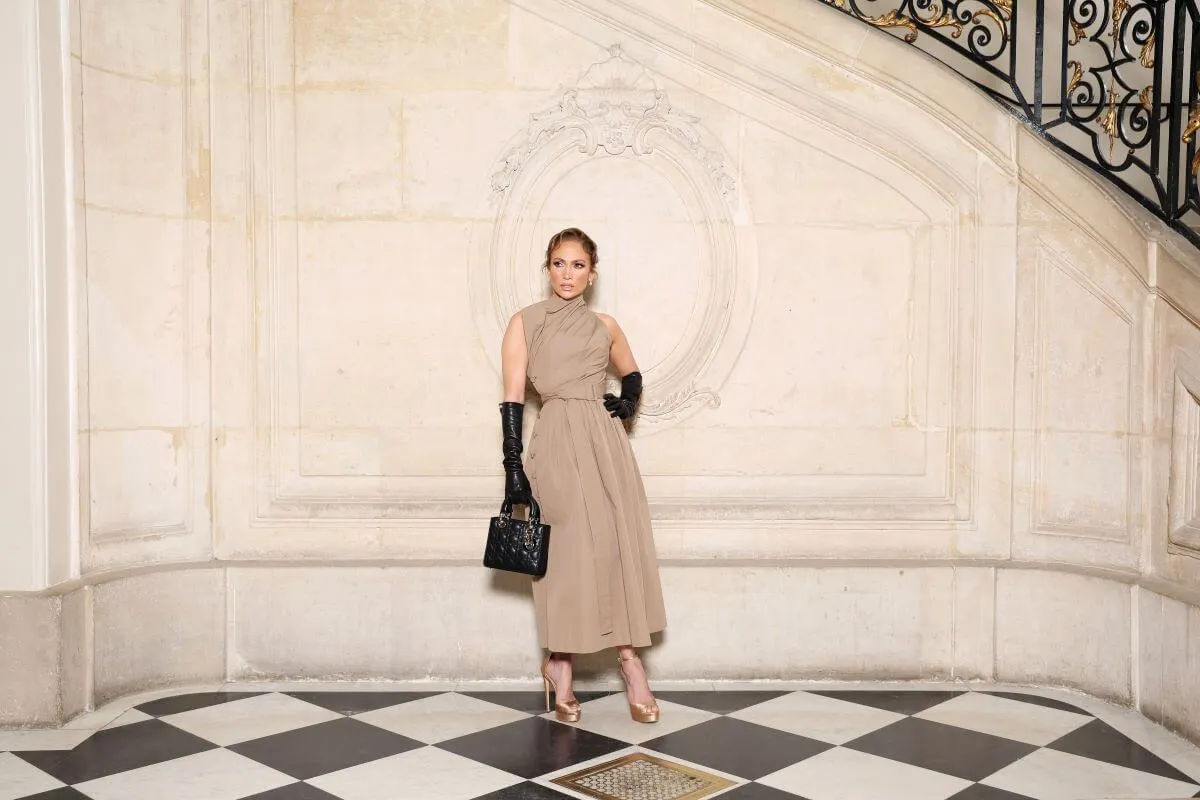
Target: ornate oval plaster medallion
618,110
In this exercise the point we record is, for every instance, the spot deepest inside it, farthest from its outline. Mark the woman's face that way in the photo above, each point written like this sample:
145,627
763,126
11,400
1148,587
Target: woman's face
570,269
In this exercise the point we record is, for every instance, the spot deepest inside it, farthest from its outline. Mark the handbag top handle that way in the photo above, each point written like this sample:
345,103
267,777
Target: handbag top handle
535,511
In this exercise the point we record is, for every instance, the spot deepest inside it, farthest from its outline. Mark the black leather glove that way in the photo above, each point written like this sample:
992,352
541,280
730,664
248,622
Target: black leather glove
631,389
516,483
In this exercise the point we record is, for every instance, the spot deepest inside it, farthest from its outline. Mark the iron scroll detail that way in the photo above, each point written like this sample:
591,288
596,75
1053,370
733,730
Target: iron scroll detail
1115,84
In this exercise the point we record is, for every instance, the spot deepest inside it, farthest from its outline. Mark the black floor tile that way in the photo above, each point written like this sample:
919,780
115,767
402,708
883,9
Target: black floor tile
719,702
757,791
190,702
1103,742
942,748
736,747
1040,701
358,702
294,791
325,747
523,791
532,747
529,702
902,702
114,750
980,792
65,793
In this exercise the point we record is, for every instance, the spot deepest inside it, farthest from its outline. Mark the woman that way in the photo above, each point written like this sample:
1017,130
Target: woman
601,587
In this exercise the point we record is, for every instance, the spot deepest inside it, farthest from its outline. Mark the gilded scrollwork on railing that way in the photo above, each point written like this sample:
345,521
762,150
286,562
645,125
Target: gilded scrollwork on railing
985,21
1111,82
1189,131
1112,100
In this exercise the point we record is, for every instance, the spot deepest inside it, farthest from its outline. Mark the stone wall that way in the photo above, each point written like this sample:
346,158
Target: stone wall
921,397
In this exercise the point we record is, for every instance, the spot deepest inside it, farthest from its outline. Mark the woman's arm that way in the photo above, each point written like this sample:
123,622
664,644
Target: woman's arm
514,359
621,357
620,354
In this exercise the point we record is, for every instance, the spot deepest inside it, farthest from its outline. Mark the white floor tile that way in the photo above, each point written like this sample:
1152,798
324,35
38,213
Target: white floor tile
441,717
41,739
800,685
1012,719
427,772
338,686
609,716
211,775
825,719
529,684
1051,775
20,779
130,716
840,774
251,718
101,717
94,720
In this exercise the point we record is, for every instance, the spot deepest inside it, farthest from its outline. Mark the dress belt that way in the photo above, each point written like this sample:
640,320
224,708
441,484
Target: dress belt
574,394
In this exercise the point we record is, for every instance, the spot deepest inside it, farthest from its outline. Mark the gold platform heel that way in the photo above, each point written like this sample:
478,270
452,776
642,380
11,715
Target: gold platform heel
640,712
564,711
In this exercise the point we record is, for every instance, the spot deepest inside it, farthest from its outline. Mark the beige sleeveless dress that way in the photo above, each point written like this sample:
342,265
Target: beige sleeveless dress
601,587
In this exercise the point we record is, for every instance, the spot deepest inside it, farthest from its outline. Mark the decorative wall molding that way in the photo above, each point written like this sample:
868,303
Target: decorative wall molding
190,533
1183,501
617,109
283,494
1050,262
1175,473
616,106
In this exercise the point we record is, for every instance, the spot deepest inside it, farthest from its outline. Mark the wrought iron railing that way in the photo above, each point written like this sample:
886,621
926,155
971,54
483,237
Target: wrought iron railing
1111,82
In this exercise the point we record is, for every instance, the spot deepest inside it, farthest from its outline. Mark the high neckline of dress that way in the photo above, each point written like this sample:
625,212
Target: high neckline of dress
556,303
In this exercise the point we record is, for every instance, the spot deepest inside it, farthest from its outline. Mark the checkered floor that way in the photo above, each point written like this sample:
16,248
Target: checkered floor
752,745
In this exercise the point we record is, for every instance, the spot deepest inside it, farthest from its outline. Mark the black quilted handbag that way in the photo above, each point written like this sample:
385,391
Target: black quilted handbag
516,545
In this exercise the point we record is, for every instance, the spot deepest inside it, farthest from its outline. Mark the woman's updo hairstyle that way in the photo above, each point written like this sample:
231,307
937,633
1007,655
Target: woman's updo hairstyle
572,235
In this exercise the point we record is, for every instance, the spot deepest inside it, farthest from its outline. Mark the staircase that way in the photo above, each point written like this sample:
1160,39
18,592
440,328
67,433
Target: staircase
1112,83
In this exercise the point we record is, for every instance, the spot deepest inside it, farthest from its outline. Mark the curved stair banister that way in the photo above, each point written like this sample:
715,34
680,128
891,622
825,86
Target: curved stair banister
1112,83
